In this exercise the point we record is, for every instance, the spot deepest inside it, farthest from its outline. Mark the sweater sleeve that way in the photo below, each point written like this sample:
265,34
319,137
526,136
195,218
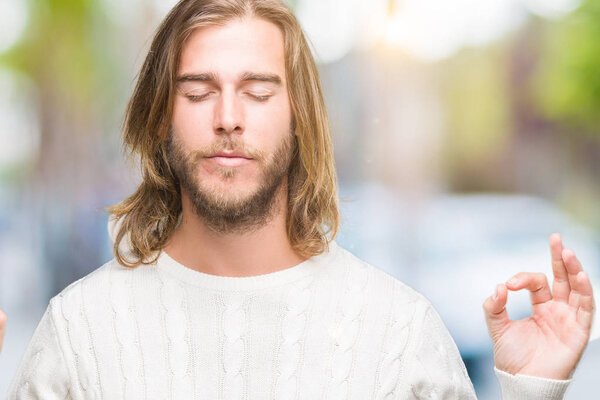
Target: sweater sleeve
433,368
43,372
530,387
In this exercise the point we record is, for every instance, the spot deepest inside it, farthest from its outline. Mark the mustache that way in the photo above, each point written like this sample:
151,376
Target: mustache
227,144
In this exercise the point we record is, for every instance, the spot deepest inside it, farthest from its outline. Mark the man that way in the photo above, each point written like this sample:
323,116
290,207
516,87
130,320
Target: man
226,283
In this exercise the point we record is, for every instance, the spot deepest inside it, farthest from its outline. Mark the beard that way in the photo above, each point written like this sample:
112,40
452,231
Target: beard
224,212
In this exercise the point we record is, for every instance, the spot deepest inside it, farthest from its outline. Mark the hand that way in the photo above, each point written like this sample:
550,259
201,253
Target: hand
2,327
550,342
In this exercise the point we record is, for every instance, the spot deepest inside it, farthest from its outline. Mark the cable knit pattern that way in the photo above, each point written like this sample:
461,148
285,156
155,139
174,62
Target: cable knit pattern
27,376
176,327
97,388
332,327
72,312
41,370
395,343
234,321
293,328
347,332
125,334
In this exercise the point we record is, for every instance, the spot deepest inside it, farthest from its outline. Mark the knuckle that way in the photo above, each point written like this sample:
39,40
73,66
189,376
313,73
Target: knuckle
486,304
522,275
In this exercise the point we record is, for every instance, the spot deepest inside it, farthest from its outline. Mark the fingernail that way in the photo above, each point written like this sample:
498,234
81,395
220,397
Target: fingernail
512,281
496,294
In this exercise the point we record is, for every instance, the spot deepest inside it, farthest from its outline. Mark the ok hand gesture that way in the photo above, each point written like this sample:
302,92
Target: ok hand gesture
550,342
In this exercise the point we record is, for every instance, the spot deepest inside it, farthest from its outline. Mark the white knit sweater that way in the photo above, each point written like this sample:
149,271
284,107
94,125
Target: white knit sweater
332,327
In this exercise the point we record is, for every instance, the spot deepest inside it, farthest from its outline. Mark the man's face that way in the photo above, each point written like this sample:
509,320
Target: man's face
231,139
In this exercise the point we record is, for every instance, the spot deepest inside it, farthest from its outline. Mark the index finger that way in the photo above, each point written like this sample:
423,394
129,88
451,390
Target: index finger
560,286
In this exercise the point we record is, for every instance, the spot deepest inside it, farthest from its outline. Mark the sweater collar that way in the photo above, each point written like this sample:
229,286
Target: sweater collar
227,283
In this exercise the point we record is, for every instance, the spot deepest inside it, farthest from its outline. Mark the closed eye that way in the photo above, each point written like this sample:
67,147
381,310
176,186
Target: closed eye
259,97
195,98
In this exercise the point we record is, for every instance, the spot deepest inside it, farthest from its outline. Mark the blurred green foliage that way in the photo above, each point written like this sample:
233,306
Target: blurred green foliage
62,49
478,105
567,82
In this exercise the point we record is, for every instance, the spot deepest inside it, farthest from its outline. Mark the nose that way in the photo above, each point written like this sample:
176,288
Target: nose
229,114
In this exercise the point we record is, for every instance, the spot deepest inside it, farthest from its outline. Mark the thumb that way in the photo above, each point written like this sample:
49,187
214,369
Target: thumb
494,308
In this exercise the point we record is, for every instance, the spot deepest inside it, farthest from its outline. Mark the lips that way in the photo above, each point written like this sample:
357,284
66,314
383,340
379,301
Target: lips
230,154
230,159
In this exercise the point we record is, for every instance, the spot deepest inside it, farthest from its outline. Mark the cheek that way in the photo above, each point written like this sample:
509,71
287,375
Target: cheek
190,122
268,125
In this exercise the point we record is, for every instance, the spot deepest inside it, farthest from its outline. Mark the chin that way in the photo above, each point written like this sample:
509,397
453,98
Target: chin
231,191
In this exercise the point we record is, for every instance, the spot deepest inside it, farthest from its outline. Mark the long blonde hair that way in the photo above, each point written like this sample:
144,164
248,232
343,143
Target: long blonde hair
148,217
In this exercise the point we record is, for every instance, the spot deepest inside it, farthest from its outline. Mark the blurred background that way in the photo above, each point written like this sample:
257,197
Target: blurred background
465,133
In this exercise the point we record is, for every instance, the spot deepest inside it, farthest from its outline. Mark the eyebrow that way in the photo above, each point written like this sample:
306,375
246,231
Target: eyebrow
251,76
244,77
205,77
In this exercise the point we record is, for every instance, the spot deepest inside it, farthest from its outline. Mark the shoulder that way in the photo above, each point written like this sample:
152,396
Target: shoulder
94,288
99,277
382,288
376,278
419,355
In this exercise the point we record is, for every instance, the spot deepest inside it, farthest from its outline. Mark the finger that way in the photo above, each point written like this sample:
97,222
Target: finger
573,267
535,282
585,312
2,327
494,308
560,287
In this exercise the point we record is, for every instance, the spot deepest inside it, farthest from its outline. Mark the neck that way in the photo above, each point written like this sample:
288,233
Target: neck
262,250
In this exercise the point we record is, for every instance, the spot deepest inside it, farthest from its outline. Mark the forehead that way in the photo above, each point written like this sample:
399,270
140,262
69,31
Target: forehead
248,44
